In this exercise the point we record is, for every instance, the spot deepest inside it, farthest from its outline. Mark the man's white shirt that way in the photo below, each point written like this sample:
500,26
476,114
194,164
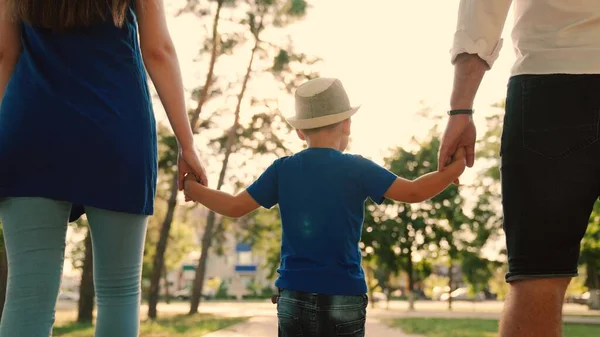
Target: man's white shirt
549,36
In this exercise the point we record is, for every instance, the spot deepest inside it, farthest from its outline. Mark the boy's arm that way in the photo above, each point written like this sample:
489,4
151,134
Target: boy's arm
425,187
233,206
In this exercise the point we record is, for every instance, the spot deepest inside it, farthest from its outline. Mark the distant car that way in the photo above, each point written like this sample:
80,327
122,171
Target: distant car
378,297
583,299
462,294
185,294
68,296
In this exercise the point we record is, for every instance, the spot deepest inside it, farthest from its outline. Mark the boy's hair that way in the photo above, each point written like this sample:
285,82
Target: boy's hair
323,128
64,14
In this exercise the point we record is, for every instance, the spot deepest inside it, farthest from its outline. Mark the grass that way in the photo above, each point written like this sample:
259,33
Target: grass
176,326
440,327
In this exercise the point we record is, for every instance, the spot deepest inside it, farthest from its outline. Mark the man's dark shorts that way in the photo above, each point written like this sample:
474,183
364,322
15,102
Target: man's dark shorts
550,171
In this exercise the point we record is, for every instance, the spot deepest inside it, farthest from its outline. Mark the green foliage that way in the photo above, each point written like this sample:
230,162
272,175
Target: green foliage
262,230
177,326
77,251
168,150
222,291
477,271
590,249
442,327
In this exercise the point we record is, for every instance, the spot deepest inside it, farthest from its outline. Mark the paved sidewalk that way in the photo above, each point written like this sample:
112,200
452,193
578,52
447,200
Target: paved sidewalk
266,326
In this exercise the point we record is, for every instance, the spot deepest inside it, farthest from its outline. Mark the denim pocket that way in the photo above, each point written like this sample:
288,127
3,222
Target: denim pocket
351,329
289,326
561,114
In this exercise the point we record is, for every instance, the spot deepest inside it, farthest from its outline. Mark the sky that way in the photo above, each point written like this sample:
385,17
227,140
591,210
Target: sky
392,57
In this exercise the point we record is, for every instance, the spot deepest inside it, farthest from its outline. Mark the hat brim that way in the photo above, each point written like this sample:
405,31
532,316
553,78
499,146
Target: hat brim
319,122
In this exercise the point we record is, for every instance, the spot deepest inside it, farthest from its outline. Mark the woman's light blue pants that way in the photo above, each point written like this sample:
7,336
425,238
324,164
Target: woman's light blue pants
34,235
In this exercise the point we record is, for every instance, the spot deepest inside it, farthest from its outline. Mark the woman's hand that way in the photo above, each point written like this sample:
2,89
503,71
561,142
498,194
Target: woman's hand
188,163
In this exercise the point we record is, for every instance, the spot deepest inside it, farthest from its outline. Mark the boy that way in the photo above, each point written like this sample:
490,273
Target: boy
321,194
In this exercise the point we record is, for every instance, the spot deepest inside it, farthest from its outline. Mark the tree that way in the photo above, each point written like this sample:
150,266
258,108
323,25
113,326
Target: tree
262,230
81,256
167,165
260,15
158,261
86,289
590,250
396,232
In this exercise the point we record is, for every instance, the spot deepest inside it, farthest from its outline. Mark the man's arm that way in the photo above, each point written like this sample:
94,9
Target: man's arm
233,206
468,73
476,47
10,47
426,186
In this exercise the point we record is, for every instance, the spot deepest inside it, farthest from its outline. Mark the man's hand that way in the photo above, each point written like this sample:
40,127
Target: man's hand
460,133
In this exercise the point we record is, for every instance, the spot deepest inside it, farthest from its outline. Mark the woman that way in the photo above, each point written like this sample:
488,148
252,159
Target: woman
77,134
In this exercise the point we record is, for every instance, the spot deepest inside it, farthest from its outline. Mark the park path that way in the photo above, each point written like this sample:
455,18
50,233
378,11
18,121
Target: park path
266,326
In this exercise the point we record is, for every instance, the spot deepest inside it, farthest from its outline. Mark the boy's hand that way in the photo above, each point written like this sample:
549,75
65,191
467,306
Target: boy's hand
189,178
460,156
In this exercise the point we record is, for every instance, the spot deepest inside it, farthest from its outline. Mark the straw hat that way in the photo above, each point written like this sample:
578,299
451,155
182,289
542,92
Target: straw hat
321,102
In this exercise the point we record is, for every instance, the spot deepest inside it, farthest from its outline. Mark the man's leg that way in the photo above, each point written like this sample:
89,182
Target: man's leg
534,308
550,182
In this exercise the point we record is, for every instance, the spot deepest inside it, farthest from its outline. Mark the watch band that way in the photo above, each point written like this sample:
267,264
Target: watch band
461,112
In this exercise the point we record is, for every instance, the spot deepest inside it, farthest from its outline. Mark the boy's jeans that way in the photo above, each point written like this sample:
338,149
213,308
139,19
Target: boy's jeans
303,314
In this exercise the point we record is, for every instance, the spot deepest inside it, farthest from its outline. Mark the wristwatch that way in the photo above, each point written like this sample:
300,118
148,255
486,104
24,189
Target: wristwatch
461,112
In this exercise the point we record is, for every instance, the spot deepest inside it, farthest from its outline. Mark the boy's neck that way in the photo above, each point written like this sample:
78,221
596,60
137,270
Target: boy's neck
326,143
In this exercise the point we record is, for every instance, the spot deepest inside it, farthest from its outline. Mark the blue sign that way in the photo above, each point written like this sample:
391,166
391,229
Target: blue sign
245,269
243,248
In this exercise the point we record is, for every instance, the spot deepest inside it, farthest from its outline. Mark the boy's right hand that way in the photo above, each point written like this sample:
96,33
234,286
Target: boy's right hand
460,158
460,155
190,178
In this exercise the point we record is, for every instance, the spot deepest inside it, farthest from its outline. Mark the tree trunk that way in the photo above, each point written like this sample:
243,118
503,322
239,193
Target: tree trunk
86,288
166,281
159,258
210,220
158,263
411,282
369,279
3,278
450,285
211,68
593,279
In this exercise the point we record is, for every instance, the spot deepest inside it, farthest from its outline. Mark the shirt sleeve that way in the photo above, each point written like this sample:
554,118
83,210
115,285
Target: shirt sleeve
375,179
479,28
265,189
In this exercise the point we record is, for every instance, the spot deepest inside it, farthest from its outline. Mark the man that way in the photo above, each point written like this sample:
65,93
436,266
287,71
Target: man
550,154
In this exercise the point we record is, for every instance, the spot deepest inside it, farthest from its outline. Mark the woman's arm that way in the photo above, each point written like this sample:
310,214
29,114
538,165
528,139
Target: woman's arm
10,47
160,58
162,64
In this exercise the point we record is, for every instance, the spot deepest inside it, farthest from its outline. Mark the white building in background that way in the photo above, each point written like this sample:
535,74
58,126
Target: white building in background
238,266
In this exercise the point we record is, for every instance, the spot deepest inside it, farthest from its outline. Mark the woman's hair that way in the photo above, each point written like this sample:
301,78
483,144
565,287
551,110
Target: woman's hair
65,14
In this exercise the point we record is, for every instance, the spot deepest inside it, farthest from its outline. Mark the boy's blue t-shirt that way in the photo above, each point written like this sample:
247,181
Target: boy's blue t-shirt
321,194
